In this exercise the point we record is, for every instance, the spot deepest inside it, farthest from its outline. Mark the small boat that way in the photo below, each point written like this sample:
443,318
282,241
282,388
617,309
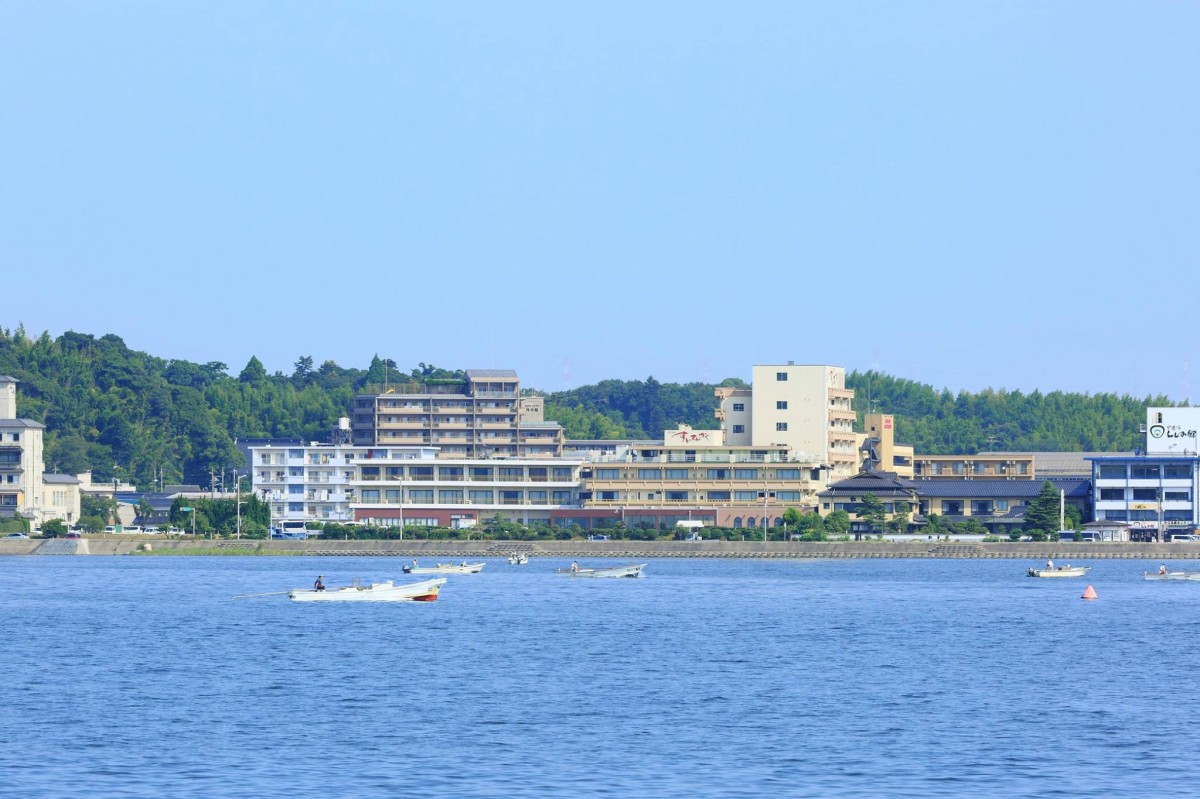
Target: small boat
425,591
1179,575
444,568
629,570
1060,571
519,559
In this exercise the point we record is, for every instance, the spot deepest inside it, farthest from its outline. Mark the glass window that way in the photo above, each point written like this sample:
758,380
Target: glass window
718,496
781,405
370,495
511,473
781,427
561,473
1116,515
1143,472
1112,494
392,496
718,474
418,495
481,497
739,428
450,496
675,474
611,474
420,472
1177,472
1112,471
745,474
787,474
781,377
561,497
1145,494
745,496
1177,515
739,406
677,496
1002,506
787,496
481,472
979,468
649,474
1178,496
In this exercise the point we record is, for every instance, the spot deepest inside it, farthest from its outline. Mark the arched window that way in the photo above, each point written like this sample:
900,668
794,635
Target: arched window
737,522
751,522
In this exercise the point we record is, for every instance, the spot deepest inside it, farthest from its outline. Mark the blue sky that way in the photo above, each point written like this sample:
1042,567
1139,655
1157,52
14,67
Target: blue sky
966,194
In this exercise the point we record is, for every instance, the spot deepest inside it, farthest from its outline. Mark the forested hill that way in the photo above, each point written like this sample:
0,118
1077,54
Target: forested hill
108,408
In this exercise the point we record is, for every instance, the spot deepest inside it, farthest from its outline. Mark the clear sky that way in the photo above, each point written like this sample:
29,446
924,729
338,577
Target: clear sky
967,194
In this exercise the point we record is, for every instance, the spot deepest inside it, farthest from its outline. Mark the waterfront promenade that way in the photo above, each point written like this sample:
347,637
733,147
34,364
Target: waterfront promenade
928,548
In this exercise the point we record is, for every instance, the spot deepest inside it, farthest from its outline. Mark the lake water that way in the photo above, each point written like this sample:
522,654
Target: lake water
142,677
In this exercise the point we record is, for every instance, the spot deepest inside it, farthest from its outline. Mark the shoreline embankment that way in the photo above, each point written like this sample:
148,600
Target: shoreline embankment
1038,551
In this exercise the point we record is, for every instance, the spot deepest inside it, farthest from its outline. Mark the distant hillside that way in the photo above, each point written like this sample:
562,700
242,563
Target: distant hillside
108,408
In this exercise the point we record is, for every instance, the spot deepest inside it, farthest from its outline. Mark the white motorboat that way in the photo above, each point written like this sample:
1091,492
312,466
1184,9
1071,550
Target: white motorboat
519,559
424,591
1060,571
444,568
628,570
1179,575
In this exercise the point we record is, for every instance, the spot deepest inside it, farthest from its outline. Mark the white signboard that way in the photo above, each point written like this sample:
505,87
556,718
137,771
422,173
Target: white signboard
1172,431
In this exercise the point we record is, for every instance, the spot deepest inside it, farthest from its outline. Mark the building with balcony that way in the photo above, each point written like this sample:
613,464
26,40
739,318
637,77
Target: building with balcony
805,409
481,416
25,488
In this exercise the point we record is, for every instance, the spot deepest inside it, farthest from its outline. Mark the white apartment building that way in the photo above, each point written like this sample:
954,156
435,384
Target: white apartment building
397,486
806,409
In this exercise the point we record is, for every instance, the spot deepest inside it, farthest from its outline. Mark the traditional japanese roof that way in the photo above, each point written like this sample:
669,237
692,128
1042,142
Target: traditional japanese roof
22,424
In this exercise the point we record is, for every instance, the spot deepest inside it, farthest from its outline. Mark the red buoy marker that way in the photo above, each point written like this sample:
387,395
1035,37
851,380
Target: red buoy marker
1089,593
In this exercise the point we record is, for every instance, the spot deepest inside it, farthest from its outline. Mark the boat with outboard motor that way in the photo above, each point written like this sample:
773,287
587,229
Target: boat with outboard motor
628,570
387,591
1060,571
444,568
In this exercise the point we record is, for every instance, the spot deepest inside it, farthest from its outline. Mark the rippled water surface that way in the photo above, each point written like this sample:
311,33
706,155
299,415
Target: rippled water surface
143,677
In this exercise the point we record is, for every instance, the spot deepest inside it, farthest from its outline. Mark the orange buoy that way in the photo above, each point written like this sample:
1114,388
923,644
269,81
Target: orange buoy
1089,593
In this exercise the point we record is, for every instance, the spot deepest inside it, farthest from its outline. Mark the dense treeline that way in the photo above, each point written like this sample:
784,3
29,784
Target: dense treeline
127,414
942,423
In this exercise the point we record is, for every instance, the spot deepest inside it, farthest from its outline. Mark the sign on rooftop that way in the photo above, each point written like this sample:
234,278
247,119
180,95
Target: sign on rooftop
1172,431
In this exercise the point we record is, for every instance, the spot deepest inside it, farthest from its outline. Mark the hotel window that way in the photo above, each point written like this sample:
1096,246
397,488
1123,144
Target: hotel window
537,497
454,473
560,473
1178,496
787,474
1112,494
745,474
677,496
561,497
1137,472
394,473
392,496
745,496
418,495
450,496
481,473
1177,472
781,427
718,474
481,497
738,407
787,496
781,405
959,468
1112,472
609,496
979,468
781,377
718,496
1145,495
370,495
650,474
739,428
511,473
672,474
420,472
612,474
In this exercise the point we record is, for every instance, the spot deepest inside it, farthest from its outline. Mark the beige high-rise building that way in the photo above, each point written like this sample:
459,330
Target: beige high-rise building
805,408
25,489
482,416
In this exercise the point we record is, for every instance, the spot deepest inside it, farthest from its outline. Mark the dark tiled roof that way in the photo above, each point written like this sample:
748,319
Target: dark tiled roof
1076,488
22,424
485,373
62,479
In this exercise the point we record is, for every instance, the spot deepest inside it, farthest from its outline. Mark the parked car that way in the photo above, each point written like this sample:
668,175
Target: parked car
74,534
16,535
597,538
1185,538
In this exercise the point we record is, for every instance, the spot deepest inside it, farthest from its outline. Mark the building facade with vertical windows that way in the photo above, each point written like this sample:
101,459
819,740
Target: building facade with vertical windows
481,416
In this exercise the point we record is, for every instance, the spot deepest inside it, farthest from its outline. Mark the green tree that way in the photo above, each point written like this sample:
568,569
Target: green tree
104,508
144,510
837,522
900,519
1041,515
53,528
872,512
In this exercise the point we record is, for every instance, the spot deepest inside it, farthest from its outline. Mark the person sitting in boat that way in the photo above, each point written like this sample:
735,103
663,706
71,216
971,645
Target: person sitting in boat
319,585
464,563
574,566
1162,569
1050,565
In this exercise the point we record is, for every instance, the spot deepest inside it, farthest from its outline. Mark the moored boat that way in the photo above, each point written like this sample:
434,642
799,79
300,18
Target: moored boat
1179,575
444,568
628,570
1060,571
519,559
387,591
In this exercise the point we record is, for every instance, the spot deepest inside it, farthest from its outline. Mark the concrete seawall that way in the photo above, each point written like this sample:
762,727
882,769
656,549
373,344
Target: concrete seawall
1037,552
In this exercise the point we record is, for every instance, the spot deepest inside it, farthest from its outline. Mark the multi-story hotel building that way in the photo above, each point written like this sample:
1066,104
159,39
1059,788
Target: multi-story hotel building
396,486
25,488
482,416
804,409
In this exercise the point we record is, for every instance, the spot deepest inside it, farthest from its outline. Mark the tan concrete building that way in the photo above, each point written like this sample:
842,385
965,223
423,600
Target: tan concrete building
878,442
805,409
482,416
25,489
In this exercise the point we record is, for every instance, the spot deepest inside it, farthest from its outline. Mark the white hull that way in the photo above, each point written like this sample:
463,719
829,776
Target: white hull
1171,576
631,570
445,568
425,591
1062,571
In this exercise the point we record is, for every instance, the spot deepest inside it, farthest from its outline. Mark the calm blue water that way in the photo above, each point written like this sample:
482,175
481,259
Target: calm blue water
141,677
